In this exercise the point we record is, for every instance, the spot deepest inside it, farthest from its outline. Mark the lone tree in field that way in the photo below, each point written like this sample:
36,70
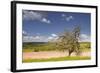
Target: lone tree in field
68,41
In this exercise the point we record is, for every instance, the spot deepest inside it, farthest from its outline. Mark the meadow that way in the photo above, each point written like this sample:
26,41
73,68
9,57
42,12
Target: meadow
42,46
56,59
30,49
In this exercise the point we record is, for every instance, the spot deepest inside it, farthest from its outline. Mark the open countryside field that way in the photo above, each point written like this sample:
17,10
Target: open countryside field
44,52
55,36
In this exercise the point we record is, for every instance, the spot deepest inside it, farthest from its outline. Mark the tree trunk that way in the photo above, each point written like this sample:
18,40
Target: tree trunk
69,53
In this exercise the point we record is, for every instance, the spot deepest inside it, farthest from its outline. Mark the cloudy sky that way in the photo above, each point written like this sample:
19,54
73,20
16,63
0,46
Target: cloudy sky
43,26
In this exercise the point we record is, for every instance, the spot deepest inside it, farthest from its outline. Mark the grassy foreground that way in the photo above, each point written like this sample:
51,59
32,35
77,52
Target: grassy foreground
56,59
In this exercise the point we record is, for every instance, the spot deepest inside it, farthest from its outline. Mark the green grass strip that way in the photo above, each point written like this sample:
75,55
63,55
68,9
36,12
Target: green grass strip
56,59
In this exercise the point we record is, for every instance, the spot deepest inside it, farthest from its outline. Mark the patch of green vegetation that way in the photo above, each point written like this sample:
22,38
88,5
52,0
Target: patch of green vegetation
85,46
36,47
56,59
29,47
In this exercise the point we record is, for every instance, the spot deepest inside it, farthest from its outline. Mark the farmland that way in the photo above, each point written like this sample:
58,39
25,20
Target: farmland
45,51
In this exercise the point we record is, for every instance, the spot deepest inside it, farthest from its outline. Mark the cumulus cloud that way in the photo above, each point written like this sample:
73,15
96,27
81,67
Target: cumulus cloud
40,38
35,15
24,33
85,38
50,38
37,37
34,39
54,35
45,20
31,15
67,18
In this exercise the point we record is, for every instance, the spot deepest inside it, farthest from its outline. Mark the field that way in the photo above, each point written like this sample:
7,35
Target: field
44,52
56,59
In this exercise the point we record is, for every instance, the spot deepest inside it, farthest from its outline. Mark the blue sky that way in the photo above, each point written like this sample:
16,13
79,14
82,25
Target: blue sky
42,26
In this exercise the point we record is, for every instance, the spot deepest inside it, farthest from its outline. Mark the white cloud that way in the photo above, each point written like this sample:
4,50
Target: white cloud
54,35
35,39
67,18
35,15
50,38
45,20
40,38
31,15
24,33
85,38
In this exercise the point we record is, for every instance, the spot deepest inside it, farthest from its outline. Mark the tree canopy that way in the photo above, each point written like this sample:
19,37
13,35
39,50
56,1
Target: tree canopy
69,41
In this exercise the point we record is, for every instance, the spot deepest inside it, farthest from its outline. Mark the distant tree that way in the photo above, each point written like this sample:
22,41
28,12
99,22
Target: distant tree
69,41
